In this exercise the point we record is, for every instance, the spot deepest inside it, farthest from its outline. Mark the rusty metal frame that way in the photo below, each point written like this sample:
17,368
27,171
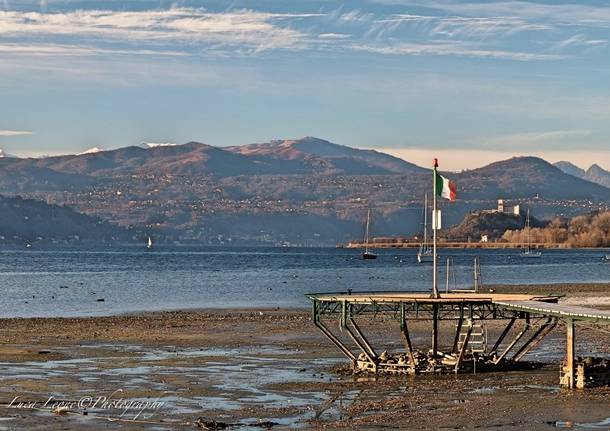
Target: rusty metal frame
515,340
458,311
536,338
318,322
503,335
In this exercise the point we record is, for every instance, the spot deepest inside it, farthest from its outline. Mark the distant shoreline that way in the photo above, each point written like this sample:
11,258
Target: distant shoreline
449,245
96,247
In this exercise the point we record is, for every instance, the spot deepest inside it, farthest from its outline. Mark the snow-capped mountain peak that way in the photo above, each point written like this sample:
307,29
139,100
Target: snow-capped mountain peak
3,154
148,145
91,151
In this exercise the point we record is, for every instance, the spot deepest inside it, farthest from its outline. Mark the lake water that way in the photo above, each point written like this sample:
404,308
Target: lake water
71,283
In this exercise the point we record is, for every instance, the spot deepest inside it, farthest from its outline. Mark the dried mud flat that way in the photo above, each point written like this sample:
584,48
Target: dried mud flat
254,369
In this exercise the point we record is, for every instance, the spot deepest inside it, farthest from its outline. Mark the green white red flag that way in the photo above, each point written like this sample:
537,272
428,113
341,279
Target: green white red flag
445,188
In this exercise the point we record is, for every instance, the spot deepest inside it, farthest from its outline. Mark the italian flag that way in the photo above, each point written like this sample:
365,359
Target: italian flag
445,188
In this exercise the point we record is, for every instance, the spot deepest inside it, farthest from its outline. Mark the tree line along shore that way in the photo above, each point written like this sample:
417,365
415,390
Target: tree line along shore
505,231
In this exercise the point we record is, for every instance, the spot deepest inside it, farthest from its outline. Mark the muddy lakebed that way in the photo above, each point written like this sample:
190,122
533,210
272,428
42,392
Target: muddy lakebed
258,369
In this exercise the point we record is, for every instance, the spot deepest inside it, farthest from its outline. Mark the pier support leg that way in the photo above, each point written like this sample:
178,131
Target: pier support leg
458,330
316,315
408,346
516,340
503,335
362,343
366,343
344,349
538,336
570,353
434,329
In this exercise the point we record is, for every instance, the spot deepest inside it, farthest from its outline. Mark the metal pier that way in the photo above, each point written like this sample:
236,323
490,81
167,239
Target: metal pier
537,315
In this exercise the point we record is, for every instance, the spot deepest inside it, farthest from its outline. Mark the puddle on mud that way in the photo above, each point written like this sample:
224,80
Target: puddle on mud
484,391
603,424
190,384
233,385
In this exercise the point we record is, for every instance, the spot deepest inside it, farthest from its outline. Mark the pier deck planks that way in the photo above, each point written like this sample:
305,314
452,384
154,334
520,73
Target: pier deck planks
574,312
379,297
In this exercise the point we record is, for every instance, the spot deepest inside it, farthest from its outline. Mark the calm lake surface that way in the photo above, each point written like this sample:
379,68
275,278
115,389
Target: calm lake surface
71,283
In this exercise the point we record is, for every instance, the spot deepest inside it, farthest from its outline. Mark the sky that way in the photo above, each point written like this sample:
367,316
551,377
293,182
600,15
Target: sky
468,82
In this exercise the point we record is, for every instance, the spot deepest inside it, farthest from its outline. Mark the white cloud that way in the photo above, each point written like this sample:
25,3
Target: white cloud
14,133
484,27
437,28
198,32
77,50
566,14
457,49
407,18
356,16
250,29
578,40
334,36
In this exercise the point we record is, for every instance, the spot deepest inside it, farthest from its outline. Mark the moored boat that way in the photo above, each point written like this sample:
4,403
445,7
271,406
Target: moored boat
367,254
530,252
424,254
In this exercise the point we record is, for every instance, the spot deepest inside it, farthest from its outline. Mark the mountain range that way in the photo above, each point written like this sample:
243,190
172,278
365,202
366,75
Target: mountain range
288,157
295,191
595,173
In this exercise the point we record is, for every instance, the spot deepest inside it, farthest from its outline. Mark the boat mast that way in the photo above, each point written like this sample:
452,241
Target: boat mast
434,229
529,238
366,231
425,247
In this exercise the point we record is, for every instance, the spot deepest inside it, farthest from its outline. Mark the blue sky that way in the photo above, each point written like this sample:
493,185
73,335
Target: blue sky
467,81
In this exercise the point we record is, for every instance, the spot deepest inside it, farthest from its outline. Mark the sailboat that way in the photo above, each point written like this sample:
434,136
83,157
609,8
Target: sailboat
149,243
529,252
367,254
425,252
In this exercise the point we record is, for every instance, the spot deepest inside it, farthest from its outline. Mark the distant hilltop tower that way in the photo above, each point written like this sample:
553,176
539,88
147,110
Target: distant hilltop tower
503,209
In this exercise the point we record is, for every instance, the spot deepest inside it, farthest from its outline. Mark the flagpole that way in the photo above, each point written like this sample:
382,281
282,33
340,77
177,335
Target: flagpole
434,229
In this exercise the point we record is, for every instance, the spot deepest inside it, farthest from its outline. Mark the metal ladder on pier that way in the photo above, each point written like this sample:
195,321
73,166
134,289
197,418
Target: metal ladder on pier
477,340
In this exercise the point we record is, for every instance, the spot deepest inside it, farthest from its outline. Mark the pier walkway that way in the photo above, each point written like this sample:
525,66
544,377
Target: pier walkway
573,312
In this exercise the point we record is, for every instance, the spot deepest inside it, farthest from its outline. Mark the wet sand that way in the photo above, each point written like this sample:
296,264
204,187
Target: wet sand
257,368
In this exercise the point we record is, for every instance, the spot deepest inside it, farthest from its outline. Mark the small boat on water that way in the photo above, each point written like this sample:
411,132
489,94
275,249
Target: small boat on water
424,253
530,252
367,254
607,258
149,243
